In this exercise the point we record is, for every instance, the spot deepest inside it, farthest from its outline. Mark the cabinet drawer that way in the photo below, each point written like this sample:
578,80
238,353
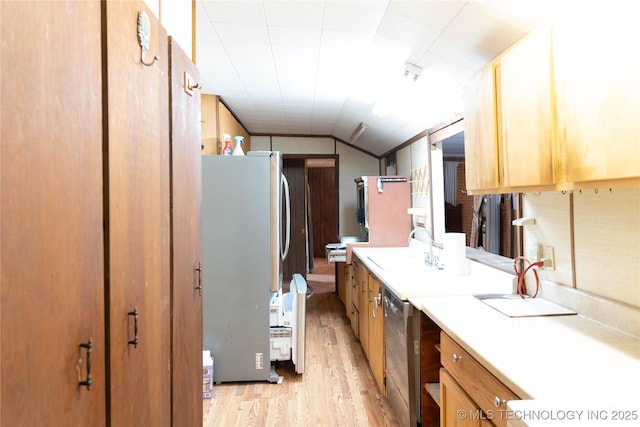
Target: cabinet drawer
485,389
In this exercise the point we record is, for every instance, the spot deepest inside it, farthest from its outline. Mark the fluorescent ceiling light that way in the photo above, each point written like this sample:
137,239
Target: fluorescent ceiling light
359,131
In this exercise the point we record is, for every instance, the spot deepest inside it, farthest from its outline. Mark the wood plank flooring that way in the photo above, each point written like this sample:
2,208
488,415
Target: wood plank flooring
337,388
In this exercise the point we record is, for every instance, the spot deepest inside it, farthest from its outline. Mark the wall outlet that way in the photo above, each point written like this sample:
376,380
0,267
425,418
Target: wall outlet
259,361
535,253
549,258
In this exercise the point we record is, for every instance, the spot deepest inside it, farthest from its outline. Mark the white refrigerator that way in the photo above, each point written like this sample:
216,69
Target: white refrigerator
245,225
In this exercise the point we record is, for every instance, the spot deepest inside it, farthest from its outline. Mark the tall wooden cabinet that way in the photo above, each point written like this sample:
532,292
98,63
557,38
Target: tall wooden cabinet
51,219
86,257
186,238
137,214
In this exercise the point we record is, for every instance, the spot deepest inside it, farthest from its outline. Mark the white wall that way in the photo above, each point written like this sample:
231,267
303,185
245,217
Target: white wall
605,228
422,161
352,163
176,17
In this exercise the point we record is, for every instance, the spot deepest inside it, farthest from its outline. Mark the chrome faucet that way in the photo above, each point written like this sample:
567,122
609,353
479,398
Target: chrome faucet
430,258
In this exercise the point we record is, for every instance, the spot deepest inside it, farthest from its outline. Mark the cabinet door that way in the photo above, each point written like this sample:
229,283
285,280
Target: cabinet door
376,333
186,241
456,407
362,276
480,139
348,289
51,223
525,111
596,68
341,274
138,220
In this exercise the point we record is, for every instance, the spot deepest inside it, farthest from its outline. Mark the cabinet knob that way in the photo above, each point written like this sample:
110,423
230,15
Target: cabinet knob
498,402
456,357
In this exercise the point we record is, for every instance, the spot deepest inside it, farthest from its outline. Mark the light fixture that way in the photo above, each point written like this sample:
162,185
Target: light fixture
412,70
359,131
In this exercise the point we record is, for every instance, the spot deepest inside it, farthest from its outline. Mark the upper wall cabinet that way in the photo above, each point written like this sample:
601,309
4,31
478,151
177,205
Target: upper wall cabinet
509,120
480,141
597,66
563,97
525,120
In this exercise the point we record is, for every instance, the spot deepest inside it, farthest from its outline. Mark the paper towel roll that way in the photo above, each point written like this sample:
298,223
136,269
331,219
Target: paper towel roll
454,254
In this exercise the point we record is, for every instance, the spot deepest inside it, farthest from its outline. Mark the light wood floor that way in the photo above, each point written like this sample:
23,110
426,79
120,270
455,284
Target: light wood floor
337,388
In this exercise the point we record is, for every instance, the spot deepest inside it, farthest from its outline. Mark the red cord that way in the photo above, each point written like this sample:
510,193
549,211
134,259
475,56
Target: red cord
522,289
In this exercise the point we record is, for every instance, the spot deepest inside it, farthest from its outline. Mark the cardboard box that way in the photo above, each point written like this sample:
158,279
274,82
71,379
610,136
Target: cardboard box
207,375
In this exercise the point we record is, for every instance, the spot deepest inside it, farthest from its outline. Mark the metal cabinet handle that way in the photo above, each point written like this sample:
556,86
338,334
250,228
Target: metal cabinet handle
89,347
134,313
199,283
456,357
376,302
498,402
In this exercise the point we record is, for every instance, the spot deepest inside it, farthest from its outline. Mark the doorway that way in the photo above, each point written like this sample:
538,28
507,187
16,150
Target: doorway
314,217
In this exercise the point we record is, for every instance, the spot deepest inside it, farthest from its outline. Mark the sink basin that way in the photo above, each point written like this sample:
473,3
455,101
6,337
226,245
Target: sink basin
515,306
400,262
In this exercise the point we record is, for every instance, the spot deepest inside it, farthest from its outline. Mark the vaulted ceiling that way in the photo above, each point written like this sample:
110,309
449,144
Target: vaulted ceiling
322,67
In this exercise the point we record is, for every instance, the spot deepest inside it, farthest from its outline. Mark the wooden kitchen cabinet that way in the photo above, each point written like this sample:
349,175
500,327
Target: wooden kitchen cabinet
525,112
342,280
138,218
457,408
509,128
186,242
596,67
88,234
429,372
217,120
375,313
545,115
351,299
485,391
362,278
480,137
51,221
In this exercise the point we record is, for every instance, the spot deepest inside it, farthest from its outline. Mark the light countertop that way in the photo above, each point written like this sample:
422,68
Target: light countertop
402,270
547,357
542,359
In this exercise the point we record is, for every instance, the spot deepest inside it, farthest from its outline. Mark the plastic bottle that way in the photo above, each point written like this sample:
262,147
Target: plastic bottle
226,150
237,150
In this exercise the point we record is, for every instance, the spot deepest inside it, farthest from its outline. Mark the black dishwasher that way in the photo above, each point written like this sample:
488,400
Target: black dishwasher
402,358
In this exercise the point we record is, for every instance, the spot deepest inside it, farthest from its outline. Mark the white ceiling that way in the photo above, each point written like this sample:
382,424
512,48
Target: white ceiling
321,67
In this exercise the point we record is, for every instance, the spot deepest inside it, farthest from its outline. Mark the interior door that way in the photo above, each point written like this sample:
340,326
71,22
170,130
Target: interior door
138,220
51,250
186,238
296,261
324,199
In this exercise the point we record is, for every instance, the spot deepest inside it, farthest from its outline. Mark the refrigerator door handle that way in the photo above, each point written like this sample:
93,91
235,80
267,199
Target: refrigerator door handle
284,250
